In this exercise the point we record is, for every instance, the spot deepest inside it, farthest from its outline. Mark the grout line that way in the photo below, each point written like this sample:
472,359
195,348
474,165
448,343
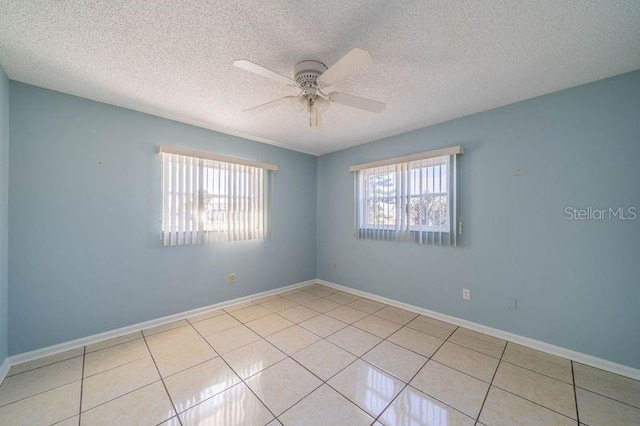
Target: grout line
306,395
43,366
124,394
161,380
164,327
537,372
366,362
114,367
115,344
608,397
517,395
242,381
432,360
495,373
526,399
433,335
535,403
222,312
323,382
40,393
408,381
575,393
84,355
287,356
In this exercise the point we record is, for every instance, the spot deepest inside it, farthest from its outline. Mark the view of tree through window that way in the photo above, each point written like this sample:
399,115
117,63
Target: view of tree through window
418,190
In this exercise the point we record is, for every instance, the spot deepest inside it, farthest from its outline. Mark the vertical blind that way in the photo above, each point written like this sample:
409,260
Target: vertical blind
204,198
410,199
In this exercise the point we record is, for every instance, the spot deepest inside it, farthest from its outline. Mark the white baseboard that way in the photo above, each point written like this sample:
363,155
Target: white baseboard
89,340
580,357
515,338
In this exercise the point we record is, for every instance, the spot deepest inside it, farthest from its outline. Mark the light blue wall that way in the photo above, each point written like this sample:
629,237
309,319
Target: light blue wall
577,283
85,254
4,211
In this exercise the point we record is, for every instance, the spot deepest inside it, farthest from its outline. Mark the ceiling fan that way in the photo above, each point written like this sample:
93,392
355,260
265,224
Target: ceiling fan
312,78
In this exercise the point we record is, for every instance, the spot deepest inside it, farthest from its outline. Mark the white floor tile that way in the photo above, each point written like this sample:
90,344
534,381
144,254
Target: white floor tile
269,324
448,381
543,363
253,358
282,385
324,359
118,381
199,383
292,339
483,343
237,406
44,408
115,341
41,379
415,408
354,340
456,389
149,405
114,356
323,325
232,338
614,386
323,407
432,326
468,361
368,387
551,393
188,350
600,410
505,409
417,341
42,362
395,360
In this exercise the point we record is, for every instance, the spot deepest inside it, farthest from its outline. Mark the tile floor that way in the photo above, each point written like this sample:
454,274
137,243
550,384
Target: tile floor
313,356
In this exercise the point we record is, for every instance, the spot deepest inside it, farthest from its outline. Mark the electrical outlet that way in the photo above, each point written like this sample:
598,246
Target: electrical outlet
232,278
466,294
512,304
334,267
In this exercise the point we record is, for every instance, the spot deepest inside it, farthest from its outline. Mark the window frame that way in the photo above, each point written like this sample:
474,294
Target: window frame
446,234
191,179
366,200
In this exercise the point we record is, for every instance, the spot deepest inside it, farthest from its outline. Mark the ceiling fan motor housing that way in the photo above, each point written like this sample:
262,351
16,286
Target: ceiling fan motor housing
306,74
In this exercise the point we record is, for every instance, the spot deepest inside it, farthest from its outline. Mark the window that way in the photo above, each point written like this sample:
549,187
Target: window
206,196
412,198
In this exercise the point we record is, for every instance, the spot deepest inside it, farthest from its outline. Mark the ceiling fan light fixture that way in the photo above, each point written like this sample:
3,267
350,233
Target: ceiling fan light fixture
311,77
300,104
322,104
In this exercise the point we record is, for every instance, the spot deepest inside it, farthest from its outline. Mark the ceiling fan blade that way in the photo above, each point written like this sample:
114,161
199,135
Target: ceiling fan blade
262,71
357,102
355,59
271,104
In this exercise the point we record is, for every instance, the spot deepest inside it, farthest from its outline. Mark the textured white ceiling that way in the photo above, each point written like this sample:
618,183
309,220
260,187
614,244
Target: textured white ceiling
432,60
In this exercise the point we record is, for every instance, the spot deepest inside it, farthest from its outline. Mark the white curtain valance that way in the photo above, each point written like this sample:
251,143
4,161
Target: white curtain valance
452,150
188,152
